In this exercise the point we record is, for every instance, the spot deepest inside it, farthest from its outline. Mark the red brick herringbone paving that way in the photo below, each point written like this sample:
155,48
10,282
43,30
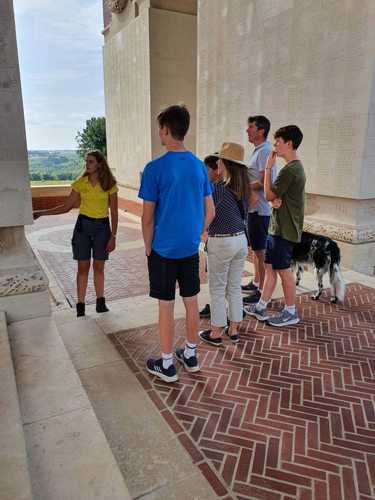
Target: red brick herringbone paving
126,272
284,414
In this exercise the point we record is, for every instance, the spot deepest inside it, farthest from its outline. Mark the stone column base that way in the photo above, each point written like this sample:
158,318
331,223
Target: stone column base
23,284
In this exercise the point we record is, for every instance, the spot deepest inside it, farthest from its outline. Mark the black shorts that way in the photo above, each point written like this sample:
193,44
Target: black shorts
257,226
278,252
164,273
91,236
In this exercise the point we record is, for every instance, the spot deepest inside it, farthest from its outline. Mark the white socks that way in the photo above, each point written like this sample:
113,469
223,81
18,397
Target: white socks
290,309
167,360
262,304
189,350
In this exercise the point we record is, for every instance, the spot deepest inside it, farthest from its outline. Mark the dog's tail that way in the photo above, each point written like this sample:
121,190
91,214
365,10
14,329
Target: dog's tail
336,279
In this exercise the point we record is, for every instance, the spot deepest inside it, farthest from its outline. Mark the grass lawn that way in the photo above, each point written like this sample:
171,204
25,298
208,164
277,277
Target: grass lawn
49,183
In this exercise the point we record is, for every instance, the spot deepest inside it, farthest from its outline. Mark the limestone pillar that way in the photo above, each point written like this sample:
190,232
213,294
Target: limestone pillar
150,62
23,284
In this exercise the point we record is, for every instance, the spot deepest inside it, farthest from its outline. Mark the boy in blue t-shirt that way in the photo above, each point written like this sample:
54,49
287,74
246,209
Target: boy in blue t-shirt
177,209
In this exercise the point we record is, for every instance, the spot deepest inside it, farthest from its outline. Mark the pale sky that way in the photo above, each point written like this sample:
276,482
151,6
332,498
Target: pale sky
60,56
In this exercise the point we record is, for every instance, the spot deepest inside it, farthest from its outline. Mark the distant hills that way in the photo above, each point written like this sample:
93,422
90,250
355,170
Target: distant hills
54,165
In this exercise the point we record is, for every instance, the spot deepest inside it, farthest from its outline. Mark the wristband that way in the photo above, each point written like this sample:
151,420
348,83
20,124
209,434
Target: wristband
114,235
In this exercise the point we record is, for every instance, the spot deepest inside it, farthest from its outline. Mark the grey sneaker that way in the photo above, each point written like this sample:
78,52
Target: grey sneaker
284,318
253,311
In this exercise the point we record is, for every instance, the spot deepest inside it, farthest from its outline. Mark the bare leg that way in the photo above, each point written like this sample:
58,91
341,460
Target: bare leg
256,271
166,325
98,267
233,327
289,286
192,318
215,332
269,282
82,277
259,267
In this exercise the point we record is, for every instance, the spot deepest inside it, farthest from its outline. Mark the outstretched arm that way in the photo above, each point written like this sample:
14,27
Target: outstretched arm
61,209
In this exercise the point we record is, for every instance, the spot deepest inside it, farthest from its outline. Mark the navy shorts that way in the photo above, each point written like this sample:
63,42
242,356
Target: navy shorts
257,226
164,273
278,252
90,236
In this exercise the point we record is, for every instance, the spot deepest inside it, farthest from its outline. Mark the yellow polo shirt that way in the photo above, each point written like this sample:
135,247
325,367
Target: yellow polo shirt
94,201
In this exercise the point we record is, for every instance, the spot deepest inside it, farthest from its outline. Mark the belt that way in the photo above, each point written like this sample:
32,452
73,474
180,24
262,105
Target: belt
81,216
225,235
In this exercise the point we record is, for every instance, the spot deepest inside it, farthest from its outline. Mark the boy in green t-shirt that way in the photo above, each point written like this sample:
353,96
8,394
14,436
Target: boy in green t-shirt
287,195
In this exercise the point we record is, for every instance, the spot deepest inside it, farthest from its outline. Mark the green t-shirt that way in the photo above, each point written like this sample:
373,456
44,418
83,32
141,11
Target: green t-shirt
287,221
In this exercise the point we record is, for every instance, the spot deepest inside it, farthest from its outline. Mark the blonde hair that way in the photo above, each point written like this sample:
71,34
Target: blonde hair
238,179
105,177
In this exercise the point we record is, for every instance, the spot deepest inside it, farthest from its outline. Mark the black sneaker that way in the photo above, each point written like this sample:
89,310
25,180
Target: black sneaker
206,336
250,287
100,305
253,298
80,308
205,312
190,364
155,367
233,338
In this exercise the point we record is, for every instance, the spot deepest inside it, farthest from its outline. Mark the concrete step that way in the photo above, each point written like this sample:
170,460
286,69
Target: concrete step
14,473
68,454
152,460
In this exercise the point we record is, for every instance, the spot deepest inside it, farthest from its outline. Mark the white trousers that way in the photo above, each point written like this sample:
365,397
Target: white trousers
226,259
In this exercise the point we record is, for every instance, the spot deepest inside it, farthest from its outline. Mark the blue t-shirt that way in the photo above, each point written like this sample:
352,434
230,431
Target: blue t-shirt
177,183
257,165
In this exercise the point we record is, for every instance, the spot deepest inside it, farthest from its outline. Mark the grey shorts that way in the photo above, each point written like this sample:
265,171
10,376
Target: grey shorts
90,237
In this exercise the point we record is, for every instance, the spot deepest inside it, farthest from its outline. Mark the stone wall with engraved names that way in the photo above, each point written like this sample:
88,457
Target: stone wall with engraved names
303,62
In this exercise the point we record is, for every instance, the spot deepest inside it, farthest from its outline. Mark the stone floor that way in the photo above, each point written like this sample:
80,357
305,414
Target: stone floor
284,414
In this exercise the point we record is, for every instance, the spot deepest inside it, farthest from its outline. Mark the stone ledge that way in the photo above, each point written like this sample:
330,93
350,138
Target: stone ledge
66,447
347,234
15,478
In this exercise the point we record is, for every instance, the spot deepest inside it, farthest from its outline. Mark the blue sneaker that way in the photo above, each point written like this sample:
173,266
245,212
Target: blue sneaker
206,336
253,298
233,338
250,287
190,364
155,367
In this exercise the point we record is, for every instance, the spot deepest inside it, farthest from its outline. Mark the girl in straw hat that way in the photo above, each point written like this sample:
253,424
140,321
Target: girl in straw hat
227,243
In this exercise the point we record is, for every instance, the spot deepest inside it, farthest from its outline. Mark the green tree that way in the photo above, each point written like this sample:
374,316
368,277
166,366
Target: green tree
92,137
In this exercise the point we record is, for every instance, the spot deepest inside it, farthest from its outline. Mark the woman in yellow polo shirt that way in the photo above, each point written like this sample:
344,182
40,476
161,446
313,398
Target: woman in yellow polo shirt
96,189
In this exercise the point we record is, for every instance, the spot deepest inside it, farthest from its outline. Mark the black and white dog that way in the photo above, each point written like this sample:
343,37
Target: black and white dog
324,255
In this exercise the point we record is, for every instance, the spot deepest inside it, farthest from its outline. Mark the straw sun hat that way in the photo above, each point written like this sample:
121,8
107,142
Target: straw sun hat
232,152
